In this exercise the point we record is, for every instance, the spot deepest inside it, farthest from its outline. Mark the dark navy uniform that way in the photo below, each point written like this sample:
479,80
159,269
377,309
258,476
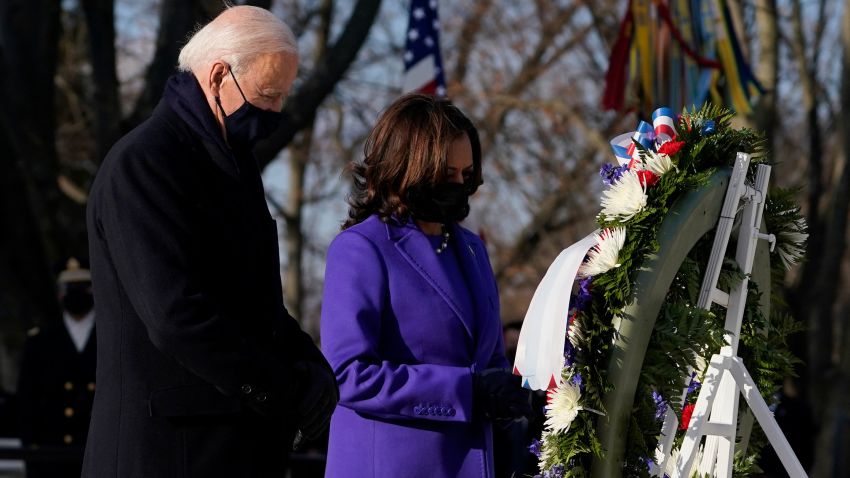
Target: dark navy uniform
57,379
56,390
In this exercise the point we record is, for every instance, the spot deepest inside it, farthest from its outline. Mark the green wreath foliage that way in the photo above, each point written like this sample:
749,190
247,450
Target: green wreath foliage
684,335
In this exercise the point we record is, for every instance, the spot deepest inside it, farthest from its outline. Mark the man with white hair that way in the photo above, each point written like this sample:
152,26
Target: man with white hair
201,370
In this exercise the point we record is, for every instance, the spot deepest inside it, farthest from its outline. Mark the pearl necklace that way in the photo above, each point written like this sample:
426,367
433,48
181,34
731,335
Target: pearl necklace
445,244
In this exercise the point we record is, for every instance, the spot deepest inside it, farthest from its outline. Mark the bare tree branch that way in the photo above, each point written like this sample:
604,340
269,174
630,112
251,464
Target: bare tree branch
30,201
544,221
767,69
299,159
301,108
100,21
466,41
824,292
178,18
535,64
817,313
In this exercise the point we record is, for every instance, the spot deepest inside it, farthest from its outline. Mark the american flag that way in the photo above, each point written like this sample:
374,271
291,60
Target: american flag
423,64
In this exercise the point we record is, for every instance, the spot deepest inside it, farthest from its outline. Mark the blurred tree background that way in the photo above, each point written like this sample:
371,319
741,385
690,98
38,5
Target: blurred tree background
77,74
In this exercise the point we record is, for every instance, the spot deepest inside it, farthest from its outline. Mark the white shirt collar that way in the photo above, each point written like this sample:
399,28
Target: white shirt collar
79,330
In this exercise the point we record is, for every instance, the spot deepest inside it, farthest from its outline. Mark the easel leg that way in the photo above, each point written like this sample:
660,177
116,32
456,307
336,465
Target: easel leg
725,411
746,429
699,417
766,420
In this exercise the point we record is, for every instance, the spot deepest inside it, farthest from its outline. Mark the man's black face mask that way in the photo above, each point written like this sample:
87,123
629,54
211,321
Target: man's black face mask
444,202
249,124
78,299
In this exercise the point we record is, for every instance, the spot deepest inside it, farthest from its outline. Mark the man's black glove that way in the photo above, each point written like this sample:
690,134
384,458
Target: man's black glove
498,394
317,397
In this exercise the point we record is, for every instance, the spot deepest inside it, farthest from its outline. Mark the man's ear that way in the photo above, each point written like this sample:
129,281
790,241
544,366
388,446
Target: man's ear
218,71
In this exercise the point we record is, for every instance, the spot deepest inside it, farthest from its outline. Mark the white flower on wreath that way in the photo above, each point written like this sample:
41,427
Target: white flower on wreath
574,334
625,198
673,462
605,255
658,163
563,407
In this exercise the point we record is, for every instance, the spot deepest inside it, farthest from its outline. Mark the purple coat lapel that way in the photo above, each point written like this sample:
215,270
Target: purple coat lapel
473,260
417,251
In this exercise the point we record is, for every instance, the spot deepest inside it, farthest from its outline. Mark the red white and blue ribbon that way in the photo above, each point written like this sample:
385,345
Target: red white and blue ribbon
662,129
664,124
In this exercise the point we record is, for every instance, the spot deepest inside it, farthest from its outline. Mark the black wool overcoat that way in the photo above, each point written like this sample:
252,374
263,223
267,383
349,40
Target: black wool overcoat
195,347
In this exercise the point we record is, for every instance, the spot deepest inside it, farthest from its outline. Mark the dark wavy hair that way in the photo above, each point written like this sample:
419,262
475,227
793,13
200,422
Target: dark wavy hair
407,149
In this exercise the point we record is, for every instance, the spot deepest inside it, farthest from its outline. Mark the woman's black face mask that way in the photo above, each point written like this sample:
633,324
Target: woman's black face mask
249,124
445,202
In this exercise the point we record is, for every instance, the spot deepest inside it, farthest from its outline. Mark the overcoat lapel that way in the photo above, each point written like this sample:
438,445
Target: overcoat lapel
416,249
473,263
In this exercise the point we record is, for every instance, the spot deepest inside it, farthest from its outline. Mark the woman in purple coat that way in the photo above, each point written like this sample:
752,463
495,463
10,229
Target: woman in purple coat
410,317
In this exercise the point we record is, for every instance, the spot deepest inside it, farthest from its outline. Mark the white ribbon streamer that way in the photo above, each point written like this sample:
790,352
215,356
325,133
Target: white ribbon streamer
540,351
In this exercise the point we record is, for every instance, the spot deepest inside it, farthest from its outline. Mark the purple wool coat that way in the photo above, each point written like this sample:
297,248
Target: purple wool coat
404,353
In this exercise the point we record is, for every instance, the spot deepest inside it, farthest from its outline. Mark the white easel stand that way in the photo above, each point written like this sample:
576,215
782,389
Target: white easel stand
726,373
732,366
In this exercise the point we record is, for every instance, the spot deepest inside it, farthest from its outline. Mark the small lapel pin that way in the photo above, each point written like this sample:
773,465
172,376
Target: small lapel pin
471,251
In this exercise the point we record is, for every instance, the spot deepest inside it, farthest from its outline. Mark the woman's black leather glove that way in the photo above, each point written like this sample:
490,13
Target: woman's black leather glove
498,395
318,396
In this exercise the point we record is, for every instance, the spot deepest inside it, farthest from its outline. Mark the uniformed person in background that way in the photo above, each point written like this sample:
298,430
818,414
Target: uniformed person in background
56,380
